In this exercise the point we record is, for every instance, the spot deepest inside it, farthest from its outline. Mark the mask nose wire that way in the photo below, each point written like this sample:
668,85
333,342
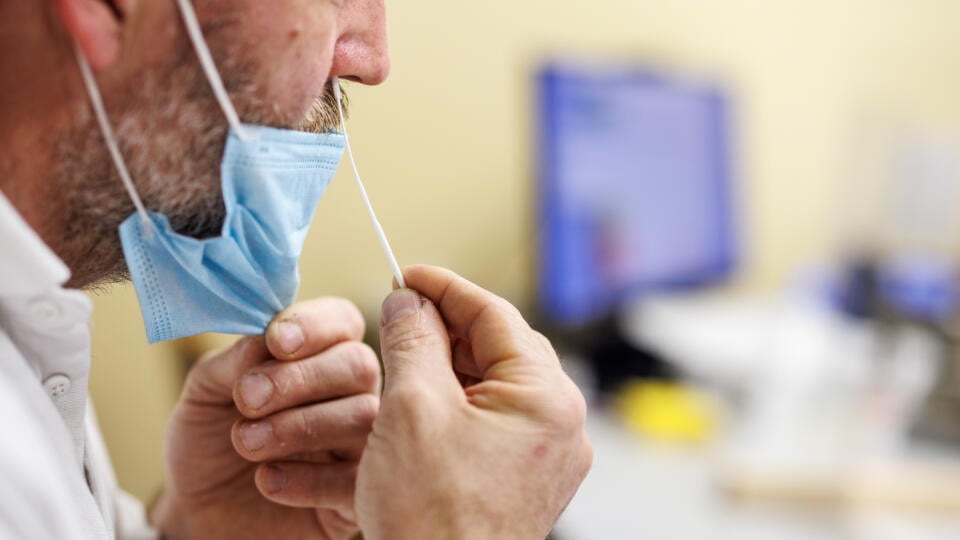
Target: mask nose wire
210,69
96,100
381,236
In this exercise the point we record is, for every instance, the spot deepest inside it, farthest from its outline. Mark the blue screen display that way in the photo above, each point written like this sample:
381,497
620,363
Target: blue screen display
635,188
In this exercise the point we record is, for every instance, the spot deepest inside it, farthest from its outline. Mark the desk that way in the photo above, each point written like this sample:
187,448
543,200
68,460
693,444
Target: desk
638,490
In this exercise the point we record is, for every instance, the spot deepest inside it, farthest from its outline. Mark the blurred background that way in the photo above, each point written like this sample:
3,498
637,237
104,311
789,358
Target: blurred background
737,220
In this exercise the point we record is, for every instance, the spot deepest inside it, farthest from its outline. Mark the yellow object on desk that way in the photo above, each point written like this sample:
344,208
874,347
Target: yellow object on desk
668,412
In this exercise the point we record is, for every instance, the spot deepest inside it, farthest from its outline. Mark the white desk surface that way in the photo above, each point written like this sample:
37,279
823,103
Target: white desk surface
638,491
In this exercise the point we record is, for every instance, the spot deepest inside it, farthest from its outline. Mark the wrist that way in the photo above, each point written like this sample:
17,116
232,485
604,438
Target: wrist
445,524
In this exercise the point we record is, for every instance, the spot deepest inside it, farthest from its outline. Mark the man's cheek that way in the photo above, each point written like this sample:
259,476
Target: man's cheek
296,56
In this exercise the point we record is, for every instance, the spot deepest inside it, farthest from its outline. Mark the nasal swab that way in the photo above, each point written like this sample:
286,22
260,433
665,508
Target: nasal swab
363,192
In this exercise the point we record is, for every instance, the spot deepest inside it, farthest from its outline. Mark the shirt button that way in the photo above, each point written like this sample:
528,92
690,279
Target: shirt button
57,385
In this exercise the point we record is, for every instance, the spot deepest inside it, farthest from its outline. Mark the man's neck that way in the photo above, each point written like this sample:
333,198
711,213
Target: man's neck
25,180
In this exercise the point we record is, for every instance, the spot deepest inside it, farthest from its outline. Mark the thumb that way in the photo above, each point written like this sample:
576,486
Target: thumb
211,381
414,343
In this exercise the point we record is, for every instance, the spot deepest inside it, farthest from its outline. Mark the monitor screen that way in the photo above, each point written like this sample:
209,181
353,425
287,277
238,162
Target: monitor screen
635,188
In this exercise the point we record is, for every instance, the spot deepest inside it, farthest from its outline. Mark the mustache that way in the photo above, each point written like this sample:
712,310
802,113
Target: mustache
323,116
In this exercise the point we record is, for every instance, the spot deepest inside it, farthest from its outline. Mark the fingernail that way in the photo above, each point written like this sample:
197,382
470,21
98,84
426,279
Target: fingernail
255,390
289,337
274,479
400,304
255,436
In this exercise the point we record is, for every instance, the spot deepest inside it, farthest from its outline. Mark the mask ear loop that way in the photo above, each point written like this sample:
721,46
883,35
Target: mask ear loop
381,236
93,91
210,69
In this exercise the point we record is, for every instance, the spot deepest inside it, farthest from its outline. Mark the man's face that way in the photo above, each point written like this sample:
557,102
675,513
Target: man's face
276,58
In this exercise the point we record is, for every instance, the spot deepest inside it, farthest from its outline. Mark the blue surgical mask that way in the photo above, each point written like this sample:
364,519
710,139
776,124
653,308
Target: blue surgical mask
235,283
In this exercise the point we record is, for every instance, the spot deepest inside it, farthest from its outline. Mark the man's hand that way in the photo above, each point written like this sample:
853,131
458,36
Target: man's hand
480,433
265,440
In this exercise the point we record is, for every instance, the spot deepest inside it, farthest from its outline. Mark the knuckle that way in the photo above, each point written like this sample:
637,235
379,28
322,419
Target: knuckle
568,412
352,318
540,346
209,355
364,366
579,405
512,309
405,396
203,368
409,404
499,309
544,342
576,409
330,486
292,378
326,318
586,457
508,310
409,338
366,409
301,426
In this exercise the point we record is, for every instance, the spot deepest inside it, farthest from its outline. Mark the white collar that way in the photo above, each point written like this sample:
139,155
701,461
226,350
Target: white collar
27,266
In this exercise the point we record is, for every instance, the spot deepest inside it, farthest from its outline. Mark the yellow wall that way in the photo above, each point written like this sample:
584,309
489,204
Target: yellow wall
134,387
445,147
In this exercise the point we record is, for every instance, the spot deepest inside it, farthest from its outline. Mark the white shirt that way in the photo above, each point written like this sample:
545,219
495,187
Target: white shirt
56,480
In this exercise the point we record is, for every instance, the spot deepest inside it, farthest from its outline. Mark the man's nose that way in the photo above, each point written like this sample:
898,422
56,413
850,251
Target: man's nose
362,53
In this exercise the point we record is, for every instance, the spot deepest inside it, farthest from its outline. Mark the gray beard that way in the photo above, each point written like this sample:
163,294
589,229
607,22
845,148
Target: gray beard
171,133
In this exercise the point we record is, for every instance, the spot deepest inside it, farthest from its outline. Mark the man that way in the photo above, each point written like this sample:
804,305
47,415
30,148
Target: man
478,433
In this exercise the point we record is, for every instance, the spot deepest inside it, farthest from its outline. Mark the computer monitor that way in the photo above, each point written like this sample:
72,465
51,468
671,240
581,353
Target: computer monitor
635,188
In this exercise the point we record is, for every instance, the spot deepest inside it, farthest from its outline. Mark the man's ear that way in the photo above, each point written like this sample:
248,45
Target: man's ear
94,26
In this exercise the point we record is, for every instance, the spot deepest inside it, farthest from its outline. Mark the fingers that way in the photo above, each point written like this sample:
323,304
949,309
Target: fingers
303,330
414,343
212,379
496,330
463,361
340,426
345,369
307,328
308,485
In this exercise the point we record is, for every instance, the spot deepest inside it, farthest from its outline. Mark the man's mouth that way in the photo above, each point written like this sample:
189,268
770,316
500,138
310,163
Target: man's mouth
323,116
